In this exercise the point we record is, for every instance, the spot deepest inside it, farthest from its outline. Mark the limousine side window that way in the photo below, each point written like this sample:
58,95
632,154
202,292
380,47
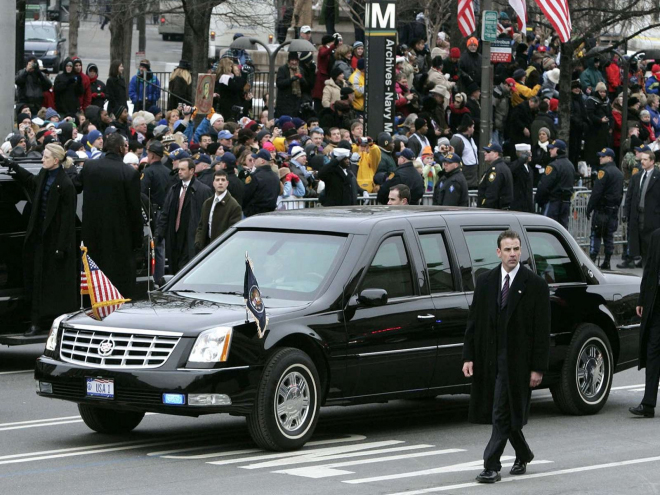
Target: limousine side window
390,269
437,262
14,208
553,262
482,245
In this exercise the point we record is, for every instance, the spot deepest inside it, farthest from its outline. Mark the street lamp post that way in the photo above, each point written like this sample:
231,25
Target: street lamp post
299,45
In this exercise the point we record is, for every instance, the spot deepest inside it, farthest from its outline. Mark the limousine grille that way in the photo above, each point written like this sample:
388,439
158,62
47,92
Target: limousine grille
116,349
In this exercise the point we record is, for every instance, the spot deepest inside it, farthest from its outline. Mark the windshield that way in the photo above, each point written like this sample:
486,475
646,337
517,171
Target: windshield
287,265
40,33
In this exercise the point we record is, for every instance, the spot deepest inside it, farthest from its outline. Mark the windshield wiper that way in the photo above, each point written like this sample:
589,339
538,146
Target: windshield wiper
39,39
232,293
183,290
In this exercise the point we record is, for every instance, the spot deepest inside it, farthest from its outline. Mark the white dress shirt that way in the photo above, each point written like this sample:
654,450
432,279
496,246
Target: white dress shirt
512,274
216,200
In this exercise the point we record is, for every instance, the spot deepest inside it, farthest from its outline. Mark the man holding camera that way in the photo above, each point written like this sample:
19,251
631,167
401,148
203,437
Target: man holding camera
31,83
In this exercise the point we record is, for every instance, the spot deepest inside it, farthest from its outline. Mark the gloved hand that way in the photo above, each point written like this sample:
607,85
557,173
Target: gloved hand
94,95
365,194
289,177
102,95
294,179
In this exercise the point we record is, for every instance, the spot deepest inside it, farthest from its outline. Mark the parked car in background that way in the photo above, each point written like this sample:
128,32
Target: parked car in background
43,39
366,304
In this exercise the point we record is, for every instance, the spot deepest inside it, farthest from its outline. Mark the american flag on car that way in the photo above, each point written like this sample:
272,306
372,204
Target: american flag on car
104,296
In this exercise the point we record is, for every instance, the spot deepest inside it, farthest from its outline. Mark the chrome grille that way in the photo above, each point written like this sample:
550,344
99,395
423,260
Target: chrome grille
116,348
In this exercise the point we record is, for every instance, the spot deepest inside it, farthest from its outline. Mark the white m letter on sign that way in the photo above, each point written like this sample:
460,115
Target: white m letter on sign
378,20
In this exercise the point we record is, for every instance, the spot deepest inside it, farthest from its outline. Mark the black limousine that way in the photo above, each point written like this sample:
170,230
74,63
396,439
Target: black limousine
366,304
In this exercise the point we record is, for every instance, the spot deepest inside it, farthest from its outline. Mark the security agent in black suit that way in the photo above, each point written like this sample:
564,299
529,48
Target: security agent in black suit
407,174
642,207
262,186
522,171
555,188
506,352
452,189
648,309
496,185
155,180
605,201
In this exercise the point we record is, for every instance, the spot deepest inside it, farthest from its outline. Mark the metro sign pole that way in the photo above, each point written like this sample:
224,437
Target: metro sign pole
380,65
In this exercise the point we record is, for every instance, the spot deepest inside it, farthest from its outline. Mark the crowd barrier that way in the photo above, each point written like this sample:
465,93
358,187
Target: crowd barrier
578,225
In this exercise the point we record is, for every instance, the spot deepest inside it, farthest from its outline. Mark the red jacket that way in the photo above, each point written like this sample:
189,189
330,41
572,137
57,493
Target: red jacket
322,70
86,97
613,76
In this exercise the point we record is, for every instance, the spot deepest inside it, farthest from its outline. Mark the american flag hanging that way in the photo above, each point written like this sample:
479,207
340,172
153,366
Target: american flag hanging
559,16
104,296
466,21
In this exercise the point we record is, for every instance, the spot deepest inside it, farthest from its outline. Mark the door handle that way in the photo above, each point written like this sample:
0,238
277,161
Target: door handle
425,317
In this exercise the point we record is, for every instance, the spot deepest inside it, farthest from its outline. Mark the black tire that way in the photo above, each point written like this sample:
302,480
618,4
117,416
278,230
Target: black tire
293,370
166,37
586,375
109,421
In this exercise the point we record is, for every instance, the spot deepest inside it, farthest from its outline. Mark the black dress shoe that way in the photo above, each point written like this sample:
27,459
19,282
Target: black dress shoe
33,331
605,265
626,264
519,467
643,410
638,264
488,476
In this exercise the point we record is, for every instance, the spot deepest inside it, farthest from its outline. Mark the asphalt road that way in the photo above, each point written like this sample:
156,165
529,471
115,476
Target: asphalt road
410,447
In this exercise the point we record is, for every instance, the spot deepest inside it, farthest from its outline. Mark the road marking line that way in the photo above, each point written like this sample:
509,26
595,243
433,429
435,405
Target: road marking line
625,387
328,470
465,466
535,475
15,372
312,457
36,425
637,389
164,454
318,452
47,420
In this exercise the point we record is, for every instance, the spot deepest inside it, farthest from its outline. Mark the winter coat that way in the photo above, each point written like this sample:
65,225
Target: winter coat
652,86
523,183
231,93
323,71
501,103
31,85
523,93
520,117
136,90
542,119
98,95
225,214
357,82
50,254
651,210
339,188
112,218
470,65
647,295
598,136
302,13
68,87
85,98
287,103
613,76
655,120
437,78
591,76
115,91
179,89
345,67
527,323
331,93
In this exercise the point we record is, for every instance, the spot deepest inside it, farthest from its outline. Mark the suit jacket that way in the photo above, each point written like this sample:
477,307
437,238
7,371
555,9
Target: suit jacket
527,325
647,292
651,209
226,213
338,188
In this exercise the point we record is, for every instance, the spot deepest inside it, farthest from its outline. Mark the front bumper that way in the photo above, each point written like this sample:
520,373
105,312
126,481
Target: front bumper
142,390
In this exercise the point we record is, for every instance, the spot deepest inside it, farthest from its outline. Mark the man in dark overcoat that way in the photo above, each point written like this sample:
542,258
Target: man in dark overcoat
180,215
50,255
112,214
642,206
648,309
219,212
506,352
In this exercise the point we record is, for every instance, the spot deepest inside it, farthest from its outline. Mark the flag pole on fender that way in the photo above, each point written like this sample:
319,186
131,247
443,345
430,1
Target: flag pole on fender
253,299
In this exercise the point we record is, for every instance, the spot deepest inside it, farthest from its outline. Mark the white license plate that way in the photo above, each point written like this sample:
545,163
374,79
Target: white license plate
101,387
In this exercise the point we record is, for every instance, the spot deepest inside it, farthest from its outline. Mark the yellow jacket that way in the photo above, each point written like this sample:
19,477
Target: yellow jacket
367,166
357,82
523,93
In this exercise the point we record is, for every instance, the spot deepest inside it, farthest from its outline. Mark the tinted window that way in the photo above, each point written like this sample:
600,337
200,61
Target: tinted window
437,262
552,261
40,32
482,246
390,269
14,208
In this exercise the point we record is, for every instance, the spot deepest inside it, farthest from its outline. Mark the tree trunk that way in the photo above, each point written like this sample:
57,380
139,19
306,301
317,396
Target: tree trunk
455,35
196,35
565,71
74,24
121,35
188,42
142,29
20,35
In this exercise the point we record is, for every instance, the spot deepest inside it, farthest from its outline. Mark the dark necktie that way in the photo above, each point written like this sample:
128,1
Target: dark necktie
505,291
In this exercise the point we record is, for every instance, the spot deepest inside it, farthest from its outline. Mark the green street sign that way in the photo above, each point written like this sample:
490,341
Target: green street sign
489,25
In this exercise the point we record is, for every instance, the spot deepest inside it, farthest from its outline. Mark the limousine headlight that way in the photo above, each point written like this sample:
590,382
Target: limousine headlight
212,346
51,343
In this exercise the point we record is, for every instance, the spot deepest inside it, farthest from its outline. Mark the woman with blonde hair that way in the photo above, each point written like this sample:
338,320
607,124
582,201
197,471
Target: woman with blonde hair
50,257
180,86
229,88
171,118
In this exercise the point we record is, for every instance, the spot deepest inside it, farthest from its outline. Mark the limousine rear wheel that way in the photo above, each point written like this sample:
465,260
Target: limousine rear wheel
586,375
287,403
110,421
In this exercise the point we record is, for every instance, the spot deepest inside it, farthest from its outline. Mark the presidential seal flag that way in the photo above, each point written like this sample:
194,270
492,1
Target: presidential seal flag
253,300
104,296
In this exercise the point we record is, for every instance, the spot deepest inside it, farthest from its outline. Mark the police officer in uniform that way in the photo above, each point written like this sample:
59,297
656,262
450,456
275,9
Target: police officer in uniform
452,190
496,185
407,174
262,186
556,186
605,201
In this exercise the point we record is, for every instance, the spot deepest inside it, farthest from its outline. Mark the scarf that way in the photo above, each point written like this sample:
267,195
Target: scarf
295,85
544,146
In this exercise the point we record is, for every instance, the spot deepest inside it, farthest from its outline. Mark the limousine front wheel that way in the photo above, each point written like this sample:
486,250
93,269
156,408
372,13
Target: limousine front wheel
287,404
110,421
586,375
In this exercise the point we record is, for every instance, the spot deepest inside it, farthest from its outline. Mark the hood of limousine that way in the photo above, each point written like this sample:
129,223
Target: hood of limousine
179,312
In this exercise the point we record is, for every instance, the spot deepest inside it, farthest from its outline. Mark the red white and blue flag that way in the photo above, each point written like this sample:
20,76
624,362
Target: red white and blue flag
466,21
104,296
559,16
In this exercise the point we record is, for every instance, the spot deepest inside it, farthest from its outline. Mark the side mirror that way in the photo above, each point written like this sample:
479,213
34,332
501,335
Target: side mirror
373,297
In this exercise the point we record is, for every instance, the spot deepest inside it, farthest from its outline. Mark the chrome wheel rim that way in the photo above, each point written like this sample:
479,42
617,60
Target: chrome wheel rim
591,371
292,401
